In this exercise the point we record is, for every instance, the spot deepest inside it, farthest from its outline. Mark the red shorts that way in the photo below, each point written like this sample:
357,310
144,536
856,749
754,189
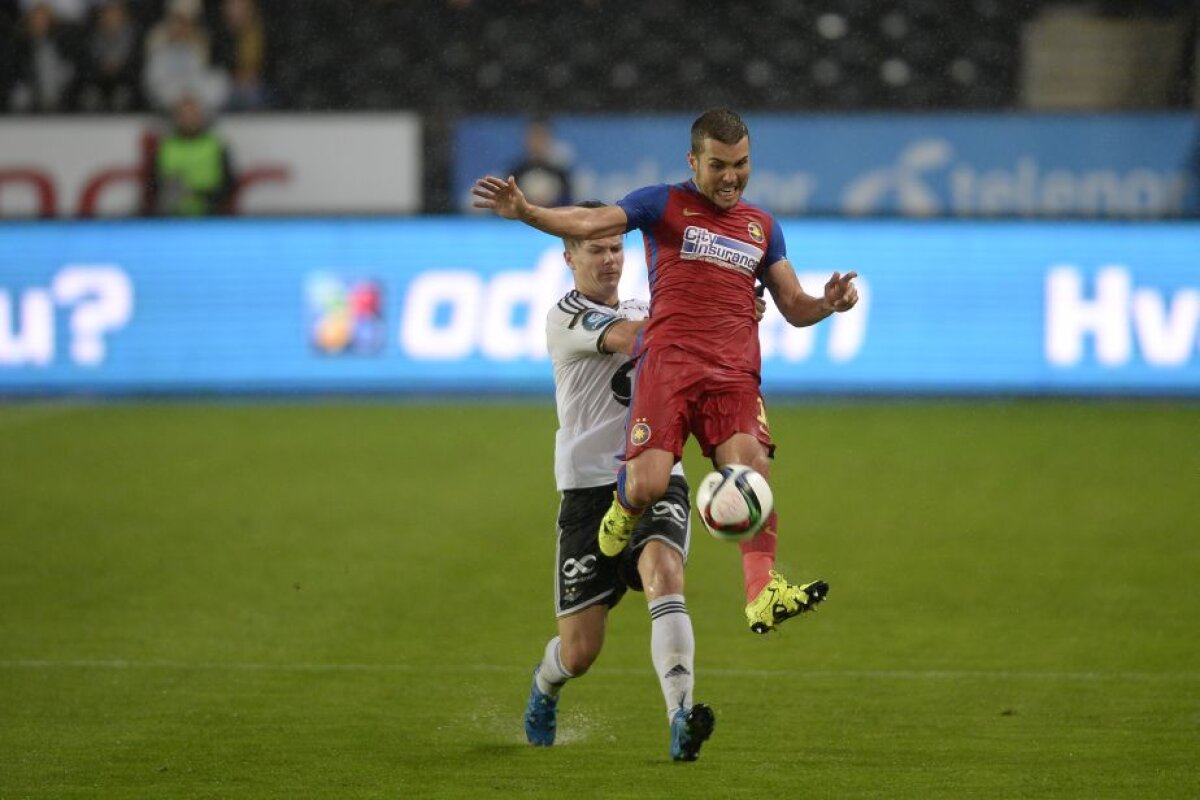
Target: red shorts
677,393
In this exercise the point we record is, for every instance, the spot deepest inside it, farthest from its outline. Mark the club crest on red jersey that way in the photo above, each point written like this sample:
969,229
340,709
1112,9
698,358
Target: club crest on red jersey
640,432
756,232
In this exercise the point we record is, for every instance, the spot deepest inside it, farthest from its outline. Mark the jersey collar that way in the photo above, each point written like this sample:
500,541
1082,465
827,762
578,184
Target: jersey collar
690,185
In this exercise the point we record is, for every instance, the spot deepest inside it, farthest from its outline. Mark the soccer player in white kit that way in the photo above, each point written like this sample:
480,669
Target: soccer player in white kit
590,334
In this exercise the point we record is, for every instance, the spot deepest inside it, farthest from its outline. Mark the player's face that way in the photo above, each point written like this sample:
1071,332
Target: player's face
721,171
597,264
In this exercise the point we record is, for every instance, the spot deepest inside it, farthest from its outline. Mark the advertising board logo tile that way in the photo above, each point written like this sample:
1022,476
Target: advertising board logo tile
345,314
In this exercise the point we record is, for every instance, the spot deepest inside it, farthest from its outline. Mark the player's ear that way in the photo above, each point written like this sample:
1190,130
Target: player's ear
691,161
570,261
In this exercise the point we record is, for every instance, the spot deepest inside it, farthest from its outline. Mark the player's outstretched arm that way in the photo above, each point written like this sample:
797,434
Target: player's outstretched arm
507,200
799,307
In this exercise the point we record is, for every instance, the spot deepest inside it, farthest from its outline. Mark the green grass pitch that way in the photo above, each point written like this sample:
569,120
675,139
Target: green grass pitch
270,600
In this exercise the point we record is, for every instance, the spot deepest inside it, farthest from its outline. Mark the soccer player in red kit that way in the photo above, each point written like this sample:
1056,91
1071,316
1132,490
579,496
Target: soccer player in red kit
698,358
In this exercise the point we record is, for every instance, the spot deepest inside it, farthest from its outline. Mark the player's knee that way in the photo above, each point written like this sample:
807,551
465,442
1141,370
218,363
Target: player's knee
743,448
643,488
762,465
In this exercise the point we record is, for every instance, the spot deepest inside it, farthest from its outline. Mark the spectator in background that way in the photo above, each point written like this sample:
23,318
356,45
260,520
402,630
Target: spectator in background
43,63
193,173
113,46
66,12
8,36
240,49
177,61
543,173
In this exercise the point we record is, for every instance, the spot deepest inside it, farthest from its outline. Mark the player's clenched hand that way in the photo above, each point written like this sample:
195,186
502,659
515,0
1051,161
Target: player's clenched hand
503,197
840,292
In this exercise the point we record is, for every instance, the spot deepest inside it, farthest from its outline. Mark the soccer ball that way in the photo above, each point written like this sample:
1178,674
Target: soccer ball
734,502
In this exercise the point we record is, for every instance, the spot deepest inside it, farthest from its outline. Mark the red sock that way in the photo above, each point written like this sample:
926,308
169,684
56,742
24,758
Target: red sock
758,558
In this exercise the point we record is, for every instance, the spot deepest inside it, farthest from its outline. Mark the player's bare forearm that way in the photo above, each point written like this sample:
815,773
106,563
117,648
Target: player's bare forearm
621,337
802,309
575,222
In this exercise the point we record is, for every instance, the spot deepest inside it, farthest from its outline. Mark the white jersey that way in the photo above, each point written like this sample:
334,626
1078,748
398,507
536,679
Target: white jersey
591,389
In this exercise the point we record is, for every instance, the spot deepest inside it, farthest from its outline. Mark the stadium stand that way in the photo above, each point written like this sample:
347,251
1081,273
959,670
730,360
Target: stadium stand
447,58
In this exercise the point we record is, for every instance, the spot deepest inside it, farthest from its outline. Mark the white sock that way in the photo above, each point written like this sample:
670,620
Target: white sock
673,649
551,675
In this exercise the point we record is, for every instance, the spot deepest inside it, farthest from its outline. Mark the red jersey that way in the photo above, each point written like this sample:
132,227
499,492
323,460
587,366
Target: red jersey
702,263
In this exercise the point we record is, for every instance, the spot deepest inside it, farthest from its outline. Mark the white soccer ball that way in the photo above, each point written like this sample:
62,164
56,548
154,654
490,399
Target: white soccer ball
734,502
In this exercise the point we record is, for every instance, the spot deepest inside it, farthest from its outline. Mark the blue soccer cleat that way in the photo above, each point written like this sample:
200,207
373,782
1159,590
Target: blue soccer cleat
690,728
540,715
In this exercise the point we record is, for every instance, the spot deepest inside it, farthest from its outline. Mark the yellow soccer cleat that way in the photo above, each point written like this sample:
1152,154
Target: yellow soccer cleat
616,529
780,600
